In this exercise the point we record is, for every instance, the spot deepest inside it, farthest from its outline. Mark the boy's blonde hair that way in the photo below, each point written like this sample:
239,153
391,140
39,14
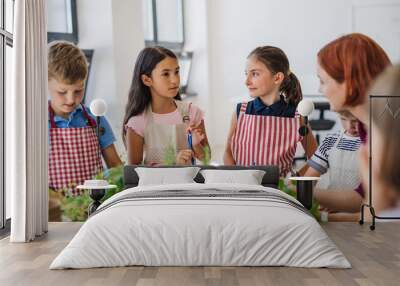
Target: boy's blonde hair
66,62
346,114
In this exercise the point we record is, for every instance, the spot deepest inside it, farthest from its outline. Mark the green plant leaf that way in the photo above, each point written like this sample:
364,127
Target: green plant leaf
290,189
76,208
169,155
207,155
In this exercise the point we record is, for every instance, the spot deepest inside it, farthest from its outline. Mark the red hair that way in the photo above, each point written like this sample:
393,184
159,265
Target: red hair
356,60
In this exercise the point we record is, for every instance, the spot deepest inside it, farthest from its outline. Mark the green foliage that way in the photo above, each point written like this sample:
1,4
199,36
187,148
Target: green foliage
114,176
207,155
75,208
169,155
290,189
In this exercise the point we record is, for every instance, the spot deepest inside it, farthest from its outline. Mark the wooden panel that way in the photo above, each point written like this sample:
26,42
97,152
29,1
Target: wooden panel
374,255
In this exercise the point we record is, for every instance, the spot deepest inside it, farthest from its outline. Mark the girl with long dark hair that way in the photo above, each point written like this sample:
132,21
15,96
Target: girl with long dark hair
157,124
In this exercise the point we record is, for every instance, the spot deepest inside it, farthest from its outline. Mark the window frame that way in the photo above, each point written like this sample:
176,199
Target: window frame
185,56
71,37
6,39
89,57
175,46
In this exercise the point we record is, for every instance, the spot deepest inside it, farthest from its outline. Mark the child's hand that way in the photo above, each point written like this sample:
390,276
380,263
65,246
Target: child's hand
198,133
184,157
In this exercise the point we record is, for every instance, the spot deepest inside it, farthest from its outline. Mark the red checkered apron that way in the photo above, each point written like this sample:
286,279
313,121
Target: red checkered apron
265,140
74,155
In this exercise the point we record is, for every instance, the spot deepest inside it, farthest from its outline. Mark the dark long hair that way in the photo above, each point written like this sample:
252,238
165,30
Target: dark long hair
139,96
276,61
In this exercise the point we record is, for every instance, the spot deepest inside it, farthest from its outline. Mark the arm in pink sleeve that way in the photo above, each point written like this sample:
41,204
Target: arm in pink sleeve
137,123
196,118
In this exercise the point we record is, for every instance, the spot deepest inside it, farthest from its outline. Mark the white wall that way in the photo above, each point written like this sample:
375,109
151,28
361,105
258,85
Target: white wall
95,32
196,40
114,30
128,40
97,35
380,20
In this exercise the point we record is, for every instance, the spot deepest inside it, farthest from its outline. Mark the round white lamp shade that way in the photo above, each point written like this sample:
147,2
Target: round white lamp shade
98,107
305,107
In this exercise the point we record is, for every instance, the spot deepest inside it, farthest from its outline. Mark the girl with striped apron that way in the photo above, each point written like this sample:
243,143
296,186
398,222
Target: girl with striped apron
74,155
265,140
160,139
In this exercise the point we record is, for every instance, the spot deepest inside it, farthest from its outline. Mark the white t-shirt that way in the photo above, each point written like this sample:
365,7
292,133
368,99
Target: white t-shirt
320,160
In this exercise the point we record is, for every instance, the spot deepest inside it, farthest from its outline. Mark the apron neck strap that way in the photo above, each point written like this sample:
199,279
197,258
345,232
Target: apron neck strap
51,116
90,120
243,108
184,111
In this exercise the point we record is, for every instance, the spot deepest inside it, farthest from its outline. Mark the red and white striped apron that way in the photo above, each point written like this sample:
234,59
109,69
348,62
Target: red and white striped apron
265,140
74,155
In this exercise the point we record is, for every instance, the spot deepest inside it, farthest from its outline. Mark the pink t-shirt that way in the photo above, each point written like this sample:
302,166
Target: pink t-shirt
138,123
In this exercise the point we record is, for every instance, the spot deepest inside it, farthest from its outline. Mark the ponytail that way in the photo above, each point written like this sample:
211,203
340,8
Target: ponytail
276,61
291,89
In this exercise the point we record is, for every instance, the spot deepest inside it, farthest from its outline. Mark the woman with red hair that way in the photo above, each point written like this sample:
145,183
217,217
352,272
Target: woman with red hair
346,68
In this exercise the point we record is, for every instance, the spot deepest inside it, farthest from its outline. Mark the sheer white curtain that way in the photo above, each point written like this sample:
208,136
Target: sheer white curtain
27,123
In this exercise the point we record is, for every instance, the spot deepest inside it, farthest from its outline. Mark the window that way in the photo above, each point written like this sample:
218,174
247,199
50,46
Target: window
6,43
62,23
164,26
185,62
163,23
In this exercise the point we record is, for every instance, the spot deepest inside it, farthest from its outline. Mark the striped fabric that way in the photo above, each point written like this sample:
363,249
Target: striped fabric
320,160
265,140
344,144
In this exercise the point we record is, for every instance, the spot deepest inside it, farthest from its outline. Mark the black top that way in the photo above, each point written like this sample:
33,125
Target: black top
257,107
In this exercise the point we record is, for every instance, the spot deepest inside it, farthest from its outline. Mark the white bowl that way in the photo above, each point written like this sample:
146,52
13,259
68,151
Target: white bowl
304,178
96,184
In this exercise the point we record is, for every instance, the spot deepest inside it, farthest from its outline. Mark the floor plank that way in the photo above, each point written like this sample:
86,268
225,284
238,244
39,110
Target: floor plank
374,255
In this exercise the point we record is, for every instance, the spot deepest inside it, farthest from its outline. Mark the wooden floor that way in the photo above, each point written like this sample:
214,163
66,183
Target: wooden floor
374,255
